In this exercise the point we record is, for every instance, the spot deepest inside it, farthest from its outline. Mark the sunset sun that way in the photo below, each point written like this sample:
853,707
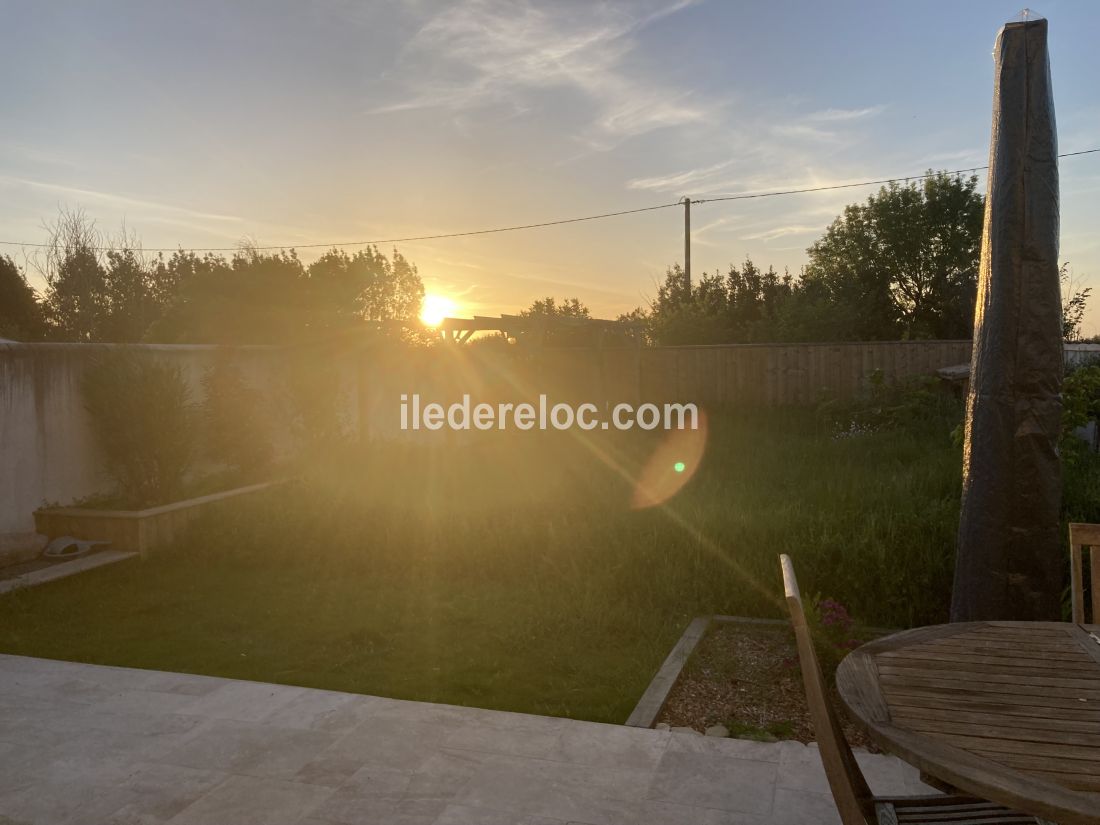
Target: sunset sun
435,308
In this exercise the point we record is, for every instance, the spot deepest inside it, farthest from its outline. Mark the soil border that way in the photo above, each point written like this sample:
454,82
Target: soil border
656,695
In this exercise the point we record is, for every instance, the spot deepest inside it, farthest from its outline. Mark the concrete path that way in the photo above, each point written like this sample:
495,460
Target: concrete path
85,744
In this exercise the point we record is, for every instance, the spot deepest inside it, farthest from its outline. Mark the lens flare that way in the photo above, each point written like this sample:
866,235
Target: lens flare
671,466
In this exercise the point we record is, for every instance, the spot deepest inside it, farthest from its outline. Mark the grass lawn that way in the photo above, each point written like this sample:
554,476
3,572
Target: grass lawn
515,574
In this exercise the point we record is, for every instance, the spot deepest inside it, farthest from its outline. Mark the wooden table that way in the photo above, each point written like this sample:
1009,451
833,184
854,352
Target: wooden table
1009,711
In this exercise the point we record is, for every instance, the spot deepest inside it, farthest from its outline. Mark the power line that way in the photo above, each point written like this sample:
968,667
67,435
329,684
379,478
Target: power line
381,241
747,195
520,227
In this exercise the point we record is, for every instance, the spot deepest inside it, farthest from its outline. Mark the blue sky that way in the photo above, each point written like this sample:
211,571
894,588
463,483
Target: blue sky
204,123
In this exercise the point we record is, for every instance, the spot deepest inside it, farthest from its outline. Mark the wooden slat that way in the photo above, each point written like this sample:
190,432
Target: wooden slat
862,684
955,686
992,744
1004,662
1086,534
1075,783
904,704
1049,764
1023,653
1076,582
1086,638
986,678
1014,733
937,697
998,637
990,717
919,635
1026,629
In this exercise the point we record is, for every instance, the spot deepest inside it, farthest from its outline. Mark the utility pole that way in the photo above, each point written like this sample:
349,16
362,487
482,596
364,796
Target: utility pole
687,241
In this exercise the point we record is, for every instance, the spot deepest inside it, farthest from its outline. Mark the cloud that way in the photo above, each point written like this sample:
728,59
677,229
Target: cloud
678,181
722,226
836,115
490,53
115,200
783,231
804,131
36,155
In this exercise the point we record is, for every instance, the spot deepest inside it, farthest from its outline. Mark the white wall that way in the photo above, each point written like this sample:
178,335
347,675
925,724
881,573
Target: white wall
47,453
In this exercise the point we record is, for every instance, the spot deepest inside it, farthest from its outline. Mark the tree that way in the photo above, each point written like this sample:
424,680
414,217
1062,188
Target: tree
905,263
102,288
1074,299
747,304
21,315
131,301
683,313
77,302
366,286
549,308
99,288
273,298
759,302
252,298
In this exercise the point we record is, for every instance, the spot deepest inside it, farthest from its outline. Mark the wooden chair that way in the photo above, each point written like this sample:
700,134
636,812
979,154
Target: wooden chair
1080,537
854,800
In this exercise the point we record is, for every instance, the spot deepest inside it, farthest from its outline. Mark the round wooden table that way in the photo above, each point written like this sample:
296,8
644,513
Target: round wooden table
1009,711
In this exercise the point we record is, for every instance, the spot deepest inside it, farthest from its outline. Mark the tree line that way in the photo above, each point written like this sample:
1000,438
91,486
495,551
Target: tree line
901,265
100,288
904,264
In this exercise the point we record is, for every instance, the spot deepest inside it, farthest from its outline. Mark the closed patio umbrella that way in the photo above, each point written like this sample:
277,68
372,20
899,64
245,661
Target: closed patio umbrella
1009,559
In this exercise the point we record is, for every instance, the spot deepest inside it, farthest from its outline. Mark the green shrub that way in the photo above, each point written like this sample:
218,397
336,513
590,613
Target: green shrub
315,399
237,427
918,403
144,423
1080,465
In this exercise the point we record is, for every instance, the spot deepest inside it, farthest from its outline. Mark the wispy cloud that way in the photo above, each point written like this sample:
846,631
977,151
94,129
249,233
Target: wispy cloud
783,231
115,200
836,115
678,181
482,53
35,155
804,131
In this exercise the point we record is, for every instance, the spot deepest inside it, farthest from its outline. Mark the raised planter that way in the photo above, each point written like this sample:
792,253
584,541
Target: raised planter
137,531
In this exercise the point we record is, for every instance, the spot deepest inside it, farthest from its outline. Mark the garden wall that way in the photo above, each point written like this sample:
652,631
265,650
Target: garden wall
46,448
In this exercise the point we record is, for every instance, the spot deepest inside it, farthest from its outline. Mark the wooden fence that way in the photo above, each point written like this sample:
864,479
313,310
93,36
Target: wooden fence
750,375
772,375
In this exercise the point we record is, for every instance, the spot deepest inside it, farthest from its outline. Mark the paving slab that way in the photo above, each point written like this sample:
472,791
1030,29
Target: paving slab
86,744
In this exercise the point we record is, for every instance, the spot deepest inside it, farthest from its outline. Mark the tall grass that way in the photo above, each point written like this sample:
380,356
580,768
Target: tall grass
513,572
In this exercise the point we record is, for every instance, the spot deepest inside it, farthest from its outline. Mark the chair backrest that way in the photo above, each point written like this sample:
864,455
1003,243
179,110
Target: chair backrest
1080,537
846,780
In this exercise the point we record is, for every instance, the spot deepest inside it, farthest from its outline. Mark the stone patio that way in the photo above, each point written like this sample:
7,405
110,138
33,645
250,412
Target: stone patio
86,744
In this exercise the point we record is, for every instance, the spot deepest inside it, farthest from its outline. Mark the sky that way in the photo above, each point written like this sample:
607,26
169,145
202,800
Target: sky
205,124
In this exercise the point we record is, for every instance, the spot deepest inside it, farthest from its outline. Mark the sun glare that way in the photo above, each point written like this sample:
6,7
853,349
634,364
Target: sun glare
435,308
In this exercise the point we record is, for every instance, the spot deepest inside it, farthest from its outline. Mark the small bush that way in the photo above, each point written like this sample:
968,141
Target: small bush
917,403
144,423
238,430
315,400
1080,465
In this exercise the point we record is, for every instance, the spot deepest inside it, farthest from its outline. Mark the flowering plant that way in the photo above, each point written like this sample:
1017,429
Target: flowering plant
834,632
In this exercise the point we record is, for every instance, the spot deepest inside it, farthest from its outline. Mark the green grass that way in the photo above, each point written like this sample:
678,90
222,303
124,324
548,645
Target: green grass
771,732
515,574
